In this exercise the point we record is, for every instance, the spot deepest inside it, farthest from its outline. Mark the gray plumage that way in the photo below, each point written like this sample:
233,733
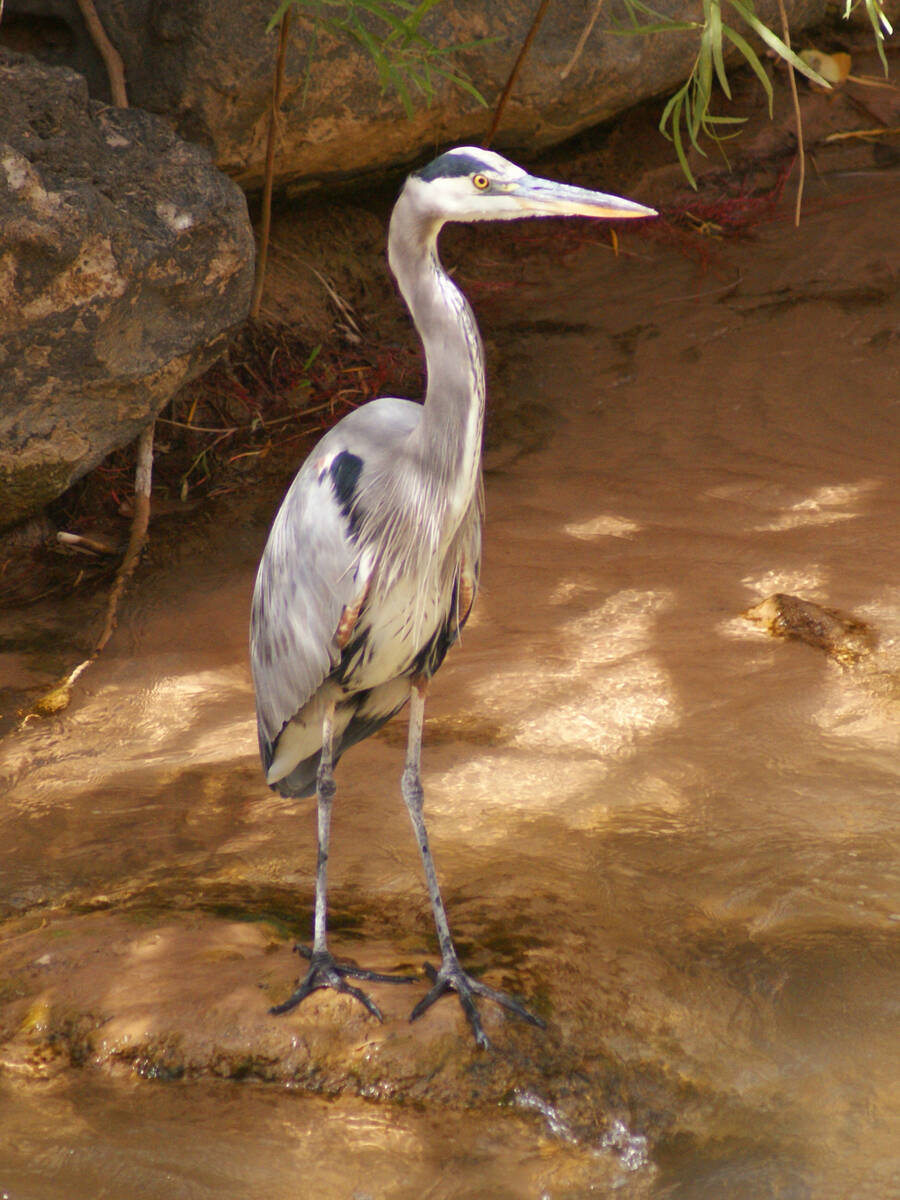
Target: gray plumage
319,562
372,562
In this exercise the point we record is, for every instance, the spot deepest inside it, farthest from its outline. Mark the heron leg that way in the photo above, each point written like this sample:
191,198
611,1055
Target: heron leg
324,971
450,976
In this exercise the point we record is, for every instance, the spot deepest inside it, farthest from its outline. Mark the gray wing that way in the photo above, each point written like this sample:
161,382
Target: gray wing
309,571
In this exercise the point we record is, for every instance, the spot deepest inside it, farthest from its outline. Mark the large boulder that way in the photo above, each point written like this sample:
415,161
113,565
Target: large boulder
125,255
208,65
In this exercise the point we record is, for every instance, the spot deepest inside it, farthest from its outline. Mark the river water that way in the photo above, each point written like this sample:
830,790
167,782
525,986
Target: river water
675,835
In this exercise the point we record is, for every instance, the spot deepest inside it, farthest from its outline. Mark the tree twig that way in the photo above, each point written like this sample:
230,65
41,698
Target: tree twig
112,59
513,75
801,153
58,697
582,42
143,477
865,134
271,142
81,541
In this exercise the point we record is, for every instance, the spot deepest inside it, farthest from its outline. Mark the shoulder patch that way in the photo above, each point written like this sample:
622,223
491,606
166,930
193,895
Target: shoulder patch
345,470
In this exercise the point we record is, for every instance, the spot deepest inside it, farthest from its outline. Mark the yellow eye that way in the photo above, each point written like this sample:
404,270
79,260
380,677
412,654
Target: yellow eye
481,182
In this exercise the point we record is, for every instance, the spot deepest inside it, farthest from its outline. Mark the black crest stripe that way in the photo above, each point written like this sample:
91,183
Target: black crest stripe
449,165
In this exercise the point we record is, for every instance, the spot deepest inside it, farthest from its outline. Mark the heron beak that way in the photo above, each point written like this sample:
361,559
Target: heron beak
541,197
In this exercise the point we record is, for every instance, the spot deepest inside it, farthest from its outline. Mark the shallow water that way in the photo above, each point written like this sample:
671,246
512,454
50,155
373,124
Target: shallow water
676,835
99,1140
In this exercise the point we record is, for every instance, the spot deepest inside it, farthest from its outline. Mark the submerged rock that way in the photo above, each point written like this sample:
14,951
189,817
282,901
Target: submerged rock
843,638
124,257
168,996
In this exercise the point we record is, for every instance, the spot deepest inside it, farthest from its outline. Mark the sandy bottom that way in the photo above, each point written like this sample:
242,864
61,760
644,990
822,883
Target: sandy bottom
676,836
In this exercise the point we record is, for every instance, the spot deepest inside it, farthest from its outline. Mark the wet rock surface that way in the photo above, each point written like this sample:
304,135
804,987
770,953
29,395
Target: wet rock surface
125,255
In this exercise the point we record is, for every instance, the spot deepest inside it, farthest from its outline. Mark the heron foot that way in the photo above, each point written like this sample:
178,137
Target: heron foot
325,972
450,977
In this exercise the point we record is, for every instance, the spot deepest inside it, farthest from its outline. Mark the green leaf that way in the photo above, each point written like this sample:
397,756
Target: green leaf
389,32
665,21
704,68
399,85
458,47
313,355
420,12
658,27
775,43
462,82
371,45
715,38
671,116
753,61
673,102
880,25
380,11
679,148
275,19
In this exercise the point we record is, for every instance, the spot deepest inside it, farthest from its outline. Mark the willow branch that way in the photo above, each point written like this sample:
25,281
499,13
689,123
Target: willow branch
143,477
58,697
271,142
582,42
514,73
786,38
112,59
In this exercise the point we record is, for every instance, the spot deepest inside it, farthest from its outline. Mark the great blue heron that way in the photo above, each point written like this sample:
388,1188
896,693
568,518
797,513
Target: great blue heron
372,562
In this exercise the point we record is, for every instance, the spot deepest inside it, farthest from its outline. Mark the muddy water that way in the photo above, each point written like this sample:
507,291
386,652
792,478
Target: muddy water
675,835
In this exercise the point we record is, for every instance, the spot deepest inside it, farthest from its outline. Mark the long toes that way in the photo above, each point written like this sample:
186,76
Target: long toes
509,1002
360,995
426,1002
451,977
443,985
482,1041
376,976
324,972
296,997
350,971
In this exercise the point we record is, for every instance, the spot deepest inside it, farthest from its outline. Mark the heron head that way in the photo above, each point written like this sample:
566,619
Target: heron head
470,184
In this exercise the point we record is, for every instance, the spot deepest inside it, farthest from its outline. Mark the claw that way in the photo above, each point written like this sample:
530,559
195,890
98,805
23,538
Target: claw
325,972
451,977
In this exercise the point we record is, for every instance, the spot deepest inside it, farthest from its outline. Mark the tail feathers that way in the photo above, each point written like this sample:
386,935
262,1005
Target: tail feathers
302,780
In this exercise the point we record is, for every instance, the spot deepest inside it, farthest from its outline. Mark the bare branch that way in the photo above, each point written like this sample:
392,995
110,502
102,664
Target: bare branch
514,73
786,38
138,535
582,42
271,142
112,59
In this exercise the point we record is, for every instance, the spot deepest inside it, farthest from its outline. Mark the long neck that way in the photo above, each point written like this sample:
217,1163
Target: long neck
449,434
